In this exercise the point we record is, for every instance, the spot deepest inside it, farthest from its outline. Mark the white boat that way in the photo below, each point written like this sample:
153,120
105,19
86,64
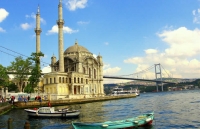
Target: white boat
51,112
121,91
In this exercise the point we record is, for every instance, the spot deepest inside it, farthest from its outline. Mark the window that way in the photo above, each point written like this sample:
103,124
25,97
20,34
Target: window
70,81
50,80
54,80
74,79
95,73
63,80
66,80
81,80
47,81
78,80
59,79
89,73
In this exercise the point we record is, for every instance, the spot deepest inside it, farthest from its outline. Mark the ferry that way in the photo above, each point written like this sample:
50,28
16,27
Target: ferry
120,91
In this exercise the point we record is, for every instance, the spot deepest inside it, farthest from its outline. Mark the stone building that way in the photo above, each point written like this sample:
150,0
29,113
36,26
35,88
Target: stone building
77,73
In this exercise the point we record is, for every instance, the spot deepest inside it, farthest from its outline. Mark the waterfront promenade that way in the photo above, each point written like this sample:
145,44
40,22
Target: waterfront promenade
31,104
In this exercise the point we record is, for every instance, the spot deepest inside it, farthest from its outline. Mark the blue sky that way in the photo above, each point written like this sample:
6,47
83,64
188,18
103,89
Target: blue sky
131,35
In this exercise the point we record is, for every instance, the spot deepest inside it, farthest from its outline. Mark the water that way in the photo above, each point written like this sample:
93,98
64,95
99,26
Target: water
173,110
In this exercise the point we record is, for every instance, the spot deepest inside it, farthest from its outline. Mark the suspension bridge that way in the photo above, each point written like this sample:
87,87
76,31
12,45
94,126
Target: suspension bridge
158,76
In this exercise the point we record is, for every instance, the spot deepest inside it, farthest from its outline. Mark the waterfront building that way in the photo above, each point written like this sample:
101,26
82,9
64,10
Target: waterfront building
76,74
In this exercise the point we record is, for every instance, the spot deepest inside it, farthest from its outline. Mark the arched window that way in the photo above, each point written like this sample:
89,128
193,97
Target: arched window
59,79
50,80
74,79
81,80
70,81
63,80
95,73
78,80
54,80
89,73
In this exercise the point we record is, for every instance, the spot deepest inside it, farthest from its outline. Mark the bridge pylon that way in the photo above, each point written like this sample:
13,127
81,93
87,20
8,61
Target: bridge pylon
158,72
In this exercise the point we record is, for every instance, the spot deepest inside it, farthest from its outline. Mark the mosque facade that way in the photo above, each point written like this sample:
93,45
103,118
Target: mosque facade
77,73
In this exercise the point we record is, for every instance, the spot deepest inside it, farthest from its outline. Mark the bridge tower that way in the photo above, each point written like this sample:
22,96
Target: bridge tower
158,72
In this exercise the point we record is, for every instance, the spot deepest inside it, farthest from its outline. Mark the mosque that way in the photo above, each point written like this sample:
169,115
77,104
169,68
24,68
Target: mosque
77,73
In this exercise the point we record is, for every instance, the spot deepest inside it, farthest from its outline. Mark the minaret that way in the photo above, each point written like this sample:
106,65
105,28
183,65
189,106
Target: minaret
60,23
100,72
38,31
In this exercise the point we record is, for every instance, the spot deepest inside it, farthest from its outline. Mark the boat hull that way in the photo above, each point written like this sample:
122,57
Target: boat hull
68,114
143,120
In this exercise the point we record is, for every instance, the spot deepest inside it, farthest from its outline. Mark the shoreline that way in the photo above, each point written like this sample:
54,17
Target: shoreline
32,104
35,104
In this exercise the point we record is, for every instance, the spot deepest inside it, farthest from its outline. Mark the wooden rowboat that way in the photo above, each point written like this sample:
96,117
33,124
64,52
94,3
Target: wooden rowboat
139,121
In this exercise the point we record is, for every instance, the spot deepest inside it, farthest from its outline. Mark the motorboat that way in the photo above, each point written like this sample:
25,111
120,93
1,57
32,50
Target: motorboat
51,112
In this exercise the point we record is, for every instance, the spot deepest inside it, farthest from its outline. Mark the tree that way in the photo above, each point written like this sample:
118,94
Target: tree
21,68
13,87
4,78
36,73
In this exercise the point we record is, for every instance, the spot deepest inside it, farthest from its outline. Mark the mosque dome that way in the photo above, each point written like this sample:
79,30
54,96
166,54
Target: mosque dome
75,48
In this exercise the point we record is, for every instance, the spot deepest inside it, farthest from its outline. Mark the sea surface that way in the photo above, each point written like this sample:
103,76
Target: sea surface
173,110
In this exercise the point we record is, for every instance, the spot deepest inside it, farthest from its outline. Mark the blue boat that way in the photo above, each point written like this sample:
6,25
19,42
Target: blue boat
139,121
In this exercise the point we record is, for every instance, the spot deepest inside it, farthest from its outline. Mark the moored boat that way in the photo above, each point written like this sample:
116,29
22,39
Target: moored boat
51,112
139,121
120,91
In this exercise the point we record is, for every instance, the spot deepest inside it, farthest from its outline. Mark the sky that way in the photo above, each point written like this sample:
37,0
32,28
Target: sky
130,35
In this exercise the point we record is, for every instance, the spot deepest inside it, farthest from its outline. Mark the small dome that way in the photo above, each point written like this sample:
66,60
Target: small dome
75,48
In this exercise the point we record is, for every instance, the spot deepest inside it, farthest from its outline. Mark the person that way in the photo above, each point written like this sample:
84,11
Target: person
28,98
49,104
12,99
40,99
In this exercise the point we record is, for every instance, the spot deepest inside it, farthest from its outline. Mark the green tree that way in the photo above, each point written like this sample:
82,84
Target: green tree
21,69
12,87
4,78
36,72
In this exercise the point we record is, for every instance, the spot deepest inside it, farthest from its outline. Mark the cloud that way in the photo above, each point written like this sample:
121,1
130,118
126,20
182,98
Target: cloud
196,16
180,59
46,69
110,71
33,16
66,29
151,51
183,42
25,26
3,15
82,23
72,5
2,30
106,43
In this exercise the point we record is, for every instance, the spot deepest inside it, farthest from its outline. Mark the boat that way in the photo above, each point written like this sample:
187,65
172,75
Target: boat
120,91
139,121
51,112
